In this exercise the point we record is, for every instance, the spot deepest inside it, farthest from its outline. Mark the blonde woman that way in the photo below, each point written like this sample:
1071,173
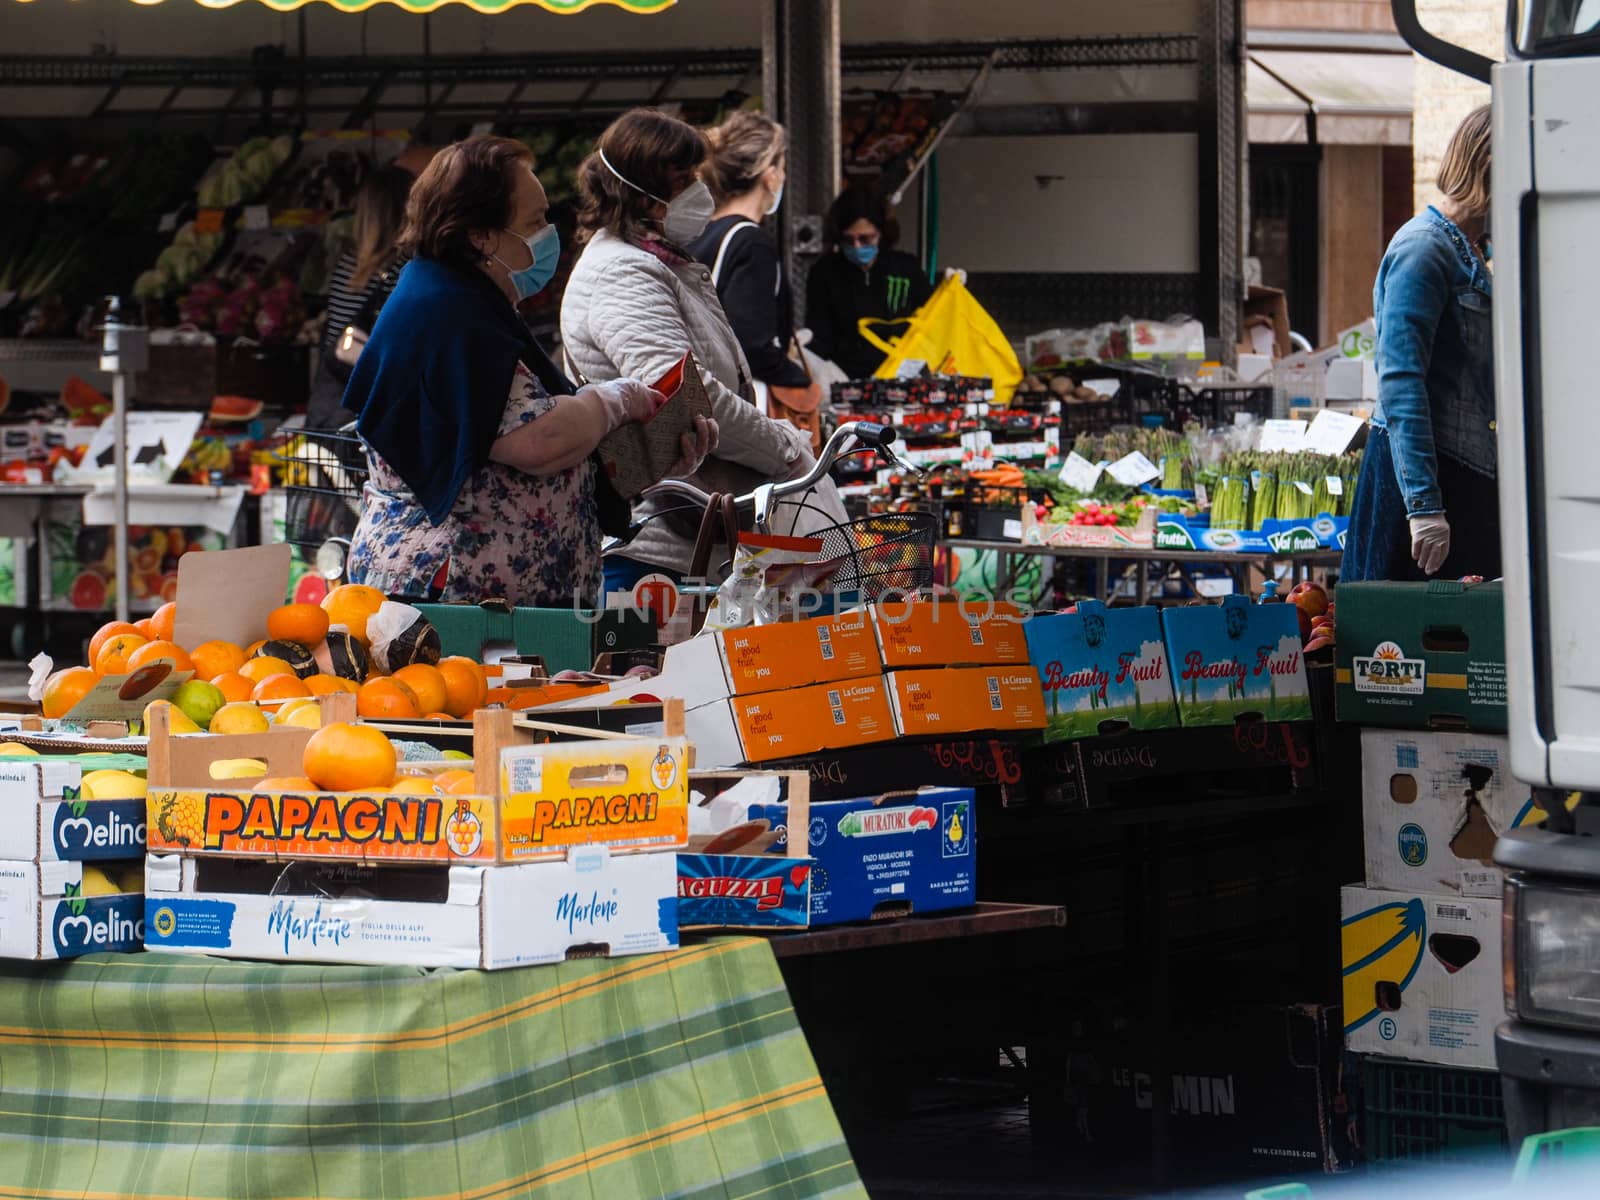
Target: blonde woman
1426,502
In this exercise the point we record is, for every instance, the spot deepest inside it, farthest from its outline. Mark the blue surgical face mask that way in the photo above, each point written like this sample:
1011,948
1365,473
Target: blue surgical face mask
545,246
862,256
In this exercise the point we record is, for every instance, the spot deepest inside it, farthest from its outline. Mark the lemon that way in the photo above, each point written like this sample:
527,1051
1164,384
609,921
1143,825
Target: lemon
291,706
17,748
239,717
199,700
131,878
458,756
178,721
113,785
97,883
306,716
238,768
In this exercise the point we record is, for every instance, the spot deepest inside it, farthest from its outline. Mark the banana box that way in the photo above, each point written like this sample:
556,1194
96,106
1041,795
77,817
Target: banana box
1433,805
885,856
67,908
627,794
1422,655
589,902
1422,976
1237,660
1103,670
949,633
53,813
965,700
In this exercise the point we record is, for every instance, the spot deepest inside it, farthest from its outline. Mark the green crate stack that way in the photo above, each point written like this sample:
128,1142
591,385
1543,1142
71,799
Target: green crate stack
1420,1112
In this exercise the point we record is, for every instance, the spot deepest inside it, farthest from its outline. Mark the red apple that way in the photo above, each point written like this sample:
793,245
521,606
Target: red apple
1306,625
1312,597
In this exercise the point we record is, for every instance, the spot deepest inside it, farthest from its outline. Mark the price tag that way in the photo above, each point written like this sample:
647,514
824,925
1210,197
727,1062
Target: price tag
1133,469
256,216
168,222
1332,432
208,220
1335,485
1079,474
1288,436
1304,487
1012,530
1201,499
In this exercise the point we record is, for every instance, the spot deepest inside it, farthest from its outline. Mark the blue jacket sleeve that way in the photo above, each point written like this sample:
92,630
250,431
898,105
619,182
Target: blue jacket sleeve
1408,300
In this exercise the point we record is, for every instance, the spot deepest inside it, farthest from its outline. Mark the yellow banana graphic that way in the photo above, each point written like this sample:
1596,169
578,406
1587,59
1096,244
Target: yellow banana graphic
1381,945
1532,814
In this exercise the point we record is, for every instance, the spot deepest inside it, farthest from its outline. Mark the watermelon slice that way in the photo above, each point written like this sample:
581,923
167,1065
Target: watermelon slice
234,410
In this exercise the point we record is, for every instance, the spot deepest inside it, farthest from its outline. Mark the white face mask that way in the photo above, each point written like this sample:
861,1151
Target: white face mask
777,199
687,213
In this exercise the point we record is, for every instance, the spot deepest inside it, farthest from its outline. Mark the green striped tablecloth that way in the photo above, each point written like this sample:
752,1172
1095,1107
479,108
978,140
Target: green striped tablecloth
153,1075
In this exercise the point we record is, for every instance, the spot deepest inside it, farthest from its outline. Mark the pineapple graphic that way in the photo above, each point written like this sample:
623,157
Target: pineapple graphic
182,819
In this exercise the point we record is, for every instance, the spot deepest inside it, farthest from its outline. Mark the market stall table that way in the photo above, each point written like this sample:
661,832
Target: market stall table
1237,564
678,1074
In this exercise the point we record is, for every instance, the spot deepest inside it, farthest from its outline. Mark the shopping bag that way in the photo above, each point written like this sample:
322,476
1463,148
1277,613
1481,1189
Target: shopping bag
953,335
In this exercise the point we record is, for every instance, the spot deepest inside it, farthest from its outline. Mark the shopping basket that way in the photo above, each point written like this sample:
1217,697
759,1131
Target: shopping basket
881,555
324,473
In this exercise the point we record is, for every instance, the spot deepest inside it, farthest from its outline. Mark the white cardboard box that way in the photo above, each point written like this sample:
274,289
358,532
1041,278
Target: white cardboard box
1422,976
46,822
1432,806
39,919
437,916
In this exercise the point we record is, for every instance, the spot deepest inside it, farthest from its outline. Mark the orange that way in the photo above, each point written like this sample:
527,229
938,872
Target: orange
285,783
427,682
155,651
113,656
104,634
279,687
385,698
216,658
257,669
463,787
350,605
65,688
327,685
466,687
145,629
437,716
163,620
415,787
254,648
345,757
233,685
306,624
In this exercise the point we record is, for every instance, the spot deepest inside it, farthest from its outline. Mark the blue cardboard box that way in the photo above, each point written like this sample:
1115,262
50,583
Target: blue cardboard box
1102,670
892,855
747,877
1175,531
48,820
1237,659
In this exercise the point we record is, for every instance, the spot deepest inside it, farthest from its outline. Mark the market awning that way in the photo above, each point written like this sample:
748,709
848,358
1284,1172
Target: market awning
422,6
1329,96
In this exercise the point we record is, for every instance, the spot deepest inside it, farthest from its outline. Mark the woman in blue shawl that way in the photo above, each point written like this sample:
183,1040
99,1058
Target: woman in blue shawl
482,482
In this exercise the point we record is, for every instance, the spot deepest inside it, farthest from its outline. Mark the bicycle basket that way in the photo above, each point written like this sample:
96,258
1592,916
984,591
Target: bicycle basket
323,476
886,553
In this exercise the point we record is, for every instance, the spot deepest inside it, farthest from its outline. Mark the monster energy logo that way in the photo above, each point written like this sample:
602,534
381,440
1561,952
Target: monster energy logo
899,291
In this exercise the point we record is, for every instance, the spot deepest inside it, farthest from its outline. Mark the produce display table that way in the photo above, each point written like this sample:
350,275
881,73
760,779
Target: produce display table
151,1075
1146,589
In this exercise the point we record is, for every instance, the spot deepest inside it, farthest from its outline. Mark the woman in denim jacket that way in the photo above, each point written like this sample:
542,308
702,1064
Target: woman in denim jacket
1426,502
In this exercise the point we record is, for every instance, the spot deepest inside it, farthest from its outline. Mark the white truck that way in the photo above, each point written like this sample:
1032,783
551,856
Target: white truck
1545,234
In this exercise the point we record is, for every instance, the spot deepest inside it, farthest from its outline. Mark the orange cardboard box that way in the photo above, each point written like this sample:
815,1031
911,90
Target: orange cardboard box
774,725
949,633
966,700
796,654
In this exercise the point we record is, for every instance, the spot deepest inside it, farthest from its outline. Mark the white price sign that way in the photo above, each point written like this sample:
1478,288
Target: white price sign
1079,474
1289,436
1332,432
1133,469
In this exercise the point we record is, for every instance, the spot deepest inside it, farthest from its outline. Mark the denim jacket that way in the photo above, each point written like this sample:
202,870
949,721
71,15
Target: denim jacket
1435,357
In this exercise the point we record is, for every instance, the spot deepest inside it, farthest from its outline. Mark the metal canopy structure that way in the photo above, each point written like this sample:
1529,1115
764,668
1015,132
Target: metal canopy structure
427,6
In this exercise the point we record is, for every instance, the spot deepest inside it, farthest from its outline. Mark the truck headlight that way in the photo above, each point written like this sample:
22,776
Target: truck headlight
1552,954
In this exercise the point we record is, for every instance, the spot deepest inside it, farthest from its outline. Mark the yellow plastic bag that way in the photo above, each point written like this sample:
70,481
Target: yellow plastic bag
952,334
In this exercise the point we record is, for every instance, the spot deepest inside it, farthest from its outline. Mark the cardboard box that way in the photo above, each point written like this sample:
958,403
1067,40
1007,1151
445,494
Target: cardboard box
1237,660
868,770
949,633
1432,806
1102,670
1171,765
1422,976
47,821
43,914
746,877
1422,655
775,725
965,700
568,639
426,916
908,852
1269,307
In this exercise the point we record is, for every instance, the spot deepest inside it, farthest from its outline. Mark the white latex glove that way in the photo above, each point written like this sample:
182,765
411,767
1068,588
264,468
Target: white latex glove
1430,542
623,400
697,447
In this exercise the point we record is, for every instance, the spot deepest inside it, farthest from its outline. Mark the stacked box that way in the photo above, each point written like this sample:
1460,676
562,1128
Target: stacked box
564,847
1102,670
70,867
1236,662
1420,665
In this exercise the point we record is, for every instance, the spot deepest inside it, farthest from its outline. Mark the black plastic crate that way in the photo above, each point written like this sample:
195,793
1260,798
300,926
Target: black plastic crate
1218,404
1421,1112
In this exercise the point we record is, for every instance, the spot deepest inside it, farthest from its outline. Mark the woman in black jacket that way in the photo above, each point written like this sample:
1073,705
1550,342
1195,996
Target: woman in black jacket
745,172
864,277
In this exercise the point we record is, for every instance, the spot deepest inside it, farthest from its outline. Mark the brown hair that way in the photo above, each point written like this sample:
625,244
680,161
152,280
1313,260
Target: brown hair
742,148
380,211
1464,170
647,147
466,189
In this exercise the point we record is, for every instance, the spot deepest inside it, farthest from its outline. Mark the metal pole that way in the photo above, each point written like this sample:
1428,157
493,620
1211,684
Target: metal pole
124,351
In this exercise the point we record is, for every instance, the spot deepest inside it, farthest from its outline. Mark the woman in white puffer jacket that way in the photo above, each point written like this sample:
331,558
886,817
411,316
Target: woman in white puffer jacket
637,299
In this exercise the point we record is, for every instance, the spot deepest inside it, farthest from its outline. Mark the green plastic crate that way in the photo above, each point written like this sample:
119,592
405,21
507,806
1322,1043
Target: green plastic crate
1420,1112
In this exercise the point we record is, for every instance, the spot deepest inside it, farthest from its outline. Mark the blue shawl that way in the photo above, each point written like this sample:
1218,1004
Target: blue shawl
432,382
